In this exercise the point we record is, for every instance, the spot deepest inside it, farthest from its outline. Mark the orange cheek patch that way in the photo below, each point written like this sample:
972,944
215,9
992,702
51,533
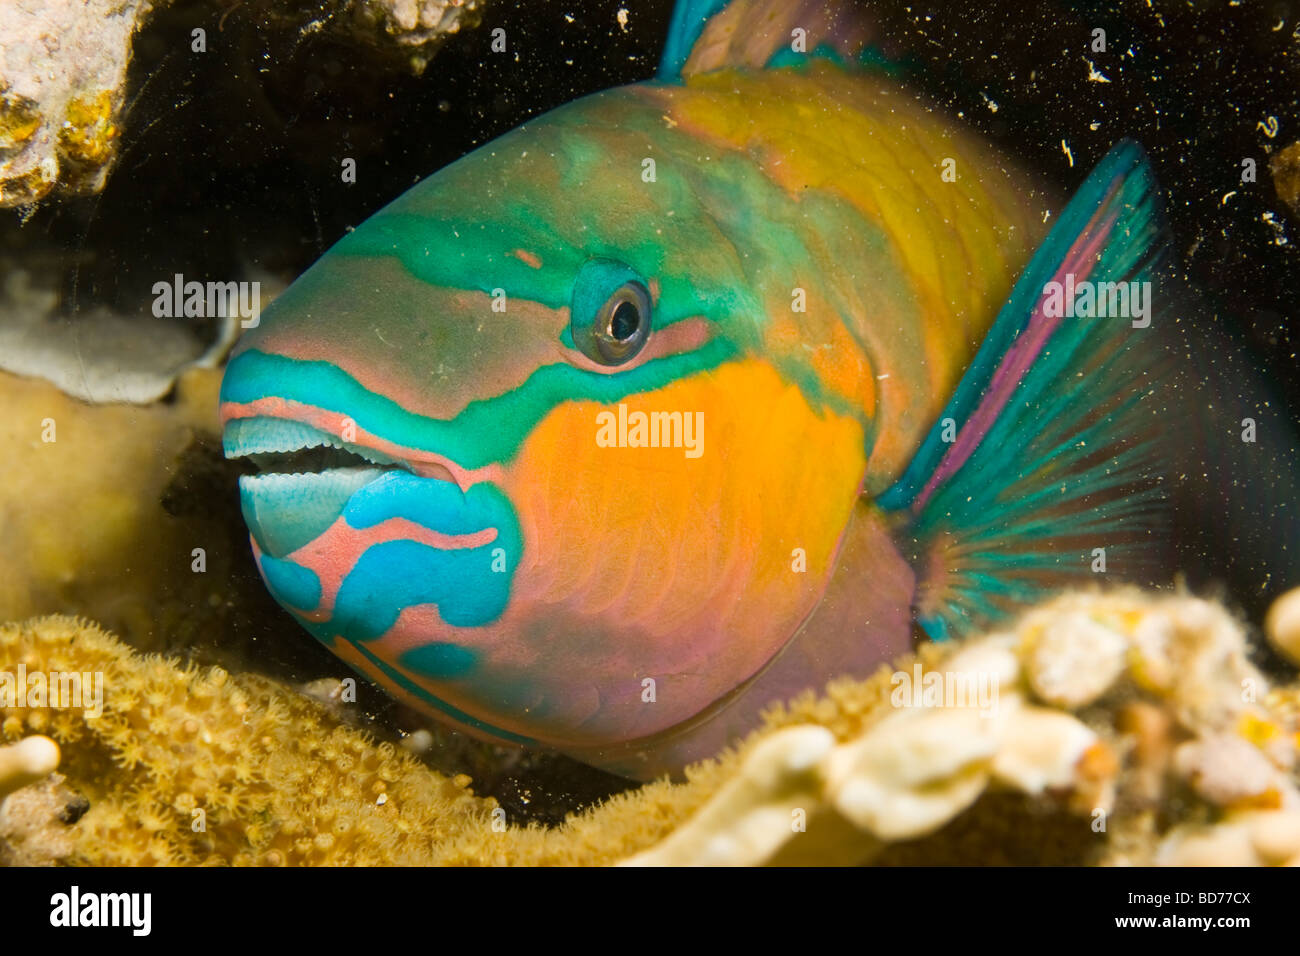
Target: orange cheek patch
689,560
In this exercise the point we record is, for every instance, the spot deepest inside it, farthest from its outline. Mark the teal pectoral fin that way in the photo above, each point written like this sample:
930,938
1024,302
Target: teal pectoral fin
1051,446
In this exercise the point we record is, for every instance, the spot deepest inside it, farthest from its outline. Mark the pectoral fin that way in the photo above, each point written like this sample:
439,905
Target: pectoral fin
1046,465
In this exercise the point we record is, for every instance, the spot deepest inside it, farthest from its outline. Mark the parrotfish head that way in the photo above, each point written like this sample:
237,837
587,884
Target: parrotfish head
539,450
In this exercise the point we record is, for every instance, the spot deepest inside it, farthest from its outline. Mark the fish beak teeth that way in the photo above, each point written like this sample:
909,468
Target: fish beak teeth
282,446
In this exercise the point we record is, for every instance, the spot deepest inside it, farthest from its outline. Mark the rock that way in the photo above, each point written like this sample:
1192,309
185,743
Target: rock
1282,626
27,761
1072,659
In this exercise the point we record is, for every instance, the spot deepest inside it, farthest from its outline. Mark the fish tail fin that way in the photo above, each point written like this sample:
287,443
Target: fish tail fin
1047,467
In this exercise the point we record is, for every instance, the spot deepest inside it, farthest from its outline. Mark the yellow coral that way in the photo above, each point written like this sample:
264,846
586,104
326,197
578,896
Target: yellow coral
118,461
189,766
20,119
89,134
209,742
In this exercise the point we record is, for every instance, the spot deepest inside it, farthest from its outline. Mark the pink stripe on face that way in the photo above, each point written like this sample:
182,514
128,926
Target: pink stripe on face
416,625
334,554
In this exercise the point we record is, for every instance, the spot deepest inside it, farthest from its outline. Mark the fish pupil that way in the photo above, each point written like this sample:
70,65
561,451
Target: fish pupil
625,321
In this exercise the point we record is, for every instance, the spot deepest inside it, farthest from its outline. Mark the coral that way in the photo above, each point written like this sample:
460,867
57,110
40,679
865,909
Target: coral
193,766
127,466
1147,698
26,762
35,823
62,70
1283,625
1253,838
100,356
1106,728
419,24
405,31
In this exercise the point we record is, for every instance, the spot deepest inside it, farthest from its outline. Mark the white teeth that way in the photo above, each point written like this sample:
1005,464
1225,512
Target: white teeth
259,436
271,444
349,479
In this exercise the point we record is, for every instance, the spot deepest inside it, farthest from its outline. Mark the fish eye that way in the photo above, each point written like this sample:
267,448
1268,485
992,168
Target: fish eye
625,321
623,324
615,330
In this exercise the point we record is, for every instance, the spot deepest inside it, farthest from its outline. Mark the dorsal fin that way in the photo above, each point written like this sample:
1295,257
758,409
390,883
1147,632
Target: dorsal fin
707,35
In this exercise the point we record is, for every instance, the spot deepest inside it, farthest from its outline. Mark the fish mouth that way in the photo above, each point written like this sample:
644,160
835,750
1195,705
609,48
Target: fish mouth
302,461
349,539
282,447
304,478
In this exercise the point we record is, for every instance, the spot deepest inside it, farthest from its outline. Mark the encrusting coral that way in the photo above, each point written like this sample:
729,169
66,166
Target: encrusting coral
151,477
1106,728
62,68
196,766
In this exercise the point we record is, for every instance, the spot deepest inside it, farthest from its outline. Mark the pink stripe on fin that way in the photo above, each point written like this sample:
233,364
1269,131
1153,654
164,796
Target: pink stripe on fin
1079,261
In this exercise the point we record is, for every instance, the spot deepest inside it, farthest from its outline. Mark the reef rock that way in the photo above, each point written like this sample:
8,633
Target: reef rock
63,71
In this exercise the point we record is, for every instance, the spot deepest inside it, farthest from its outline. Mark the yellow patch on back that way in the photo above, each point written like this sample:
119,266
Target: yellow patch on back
961,239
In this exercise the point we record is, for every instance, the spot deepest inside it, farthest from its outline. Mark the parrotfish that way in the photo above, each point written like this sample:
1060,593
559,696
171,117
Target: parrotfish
692,394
